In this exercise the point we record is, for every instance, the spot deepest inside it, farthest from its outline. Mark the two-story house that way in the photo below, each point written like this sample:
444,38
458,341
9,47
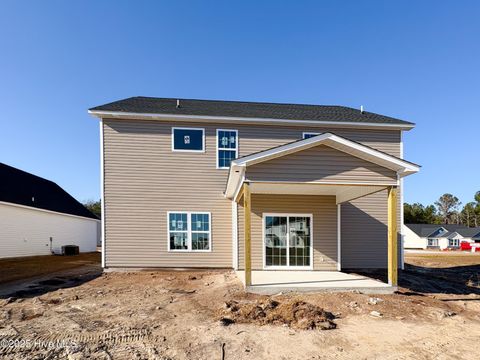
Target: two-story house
250,186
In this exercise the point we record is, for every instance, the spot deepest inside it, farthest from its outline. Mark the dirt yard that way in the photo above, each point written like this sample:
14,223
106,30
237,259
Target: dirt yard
21,268
82,313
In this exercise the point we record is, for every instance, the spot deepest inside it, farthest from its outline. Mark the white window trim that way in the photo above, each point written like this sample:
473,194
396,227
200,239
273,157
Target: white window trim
287,267
189,230
183,150
218,148
456,242
309,133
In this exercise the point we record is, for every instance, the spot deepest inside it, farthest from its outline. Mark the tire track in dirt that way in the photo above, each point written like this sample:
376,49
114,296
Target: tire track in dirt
7,343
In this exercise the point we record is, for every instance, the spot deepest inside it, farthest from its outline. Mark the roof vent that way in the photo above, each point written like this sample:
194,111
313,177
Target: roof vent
178,103
361,109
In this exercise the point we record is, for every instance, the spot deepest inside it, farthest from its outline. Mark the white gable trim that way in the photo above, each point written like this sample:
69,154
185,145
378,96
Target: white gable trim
237,168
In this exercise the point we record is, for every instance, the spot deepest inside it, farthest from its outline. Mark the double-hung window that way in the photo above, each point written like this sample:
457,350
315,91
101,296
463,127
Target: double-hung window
454,242
227,147
188,139
189,231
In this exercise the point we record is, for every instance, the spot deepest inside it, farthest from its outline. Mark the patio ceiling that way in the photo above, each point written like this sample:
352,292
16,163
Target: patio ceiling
342,193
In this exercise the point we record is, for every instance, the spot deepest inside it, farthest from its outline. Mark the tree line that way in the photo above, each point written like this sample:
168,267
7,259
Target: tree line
446,210
95,207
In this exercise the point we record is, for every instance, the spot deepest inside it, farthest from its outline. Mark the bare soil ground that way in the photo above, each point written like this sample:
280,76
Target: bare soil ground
181,315
21,268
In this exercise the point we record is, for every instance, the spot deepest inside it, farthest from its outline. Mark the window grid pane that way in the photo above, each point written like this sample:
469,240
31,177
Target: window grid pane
178,240
299,241
200,241
178,222
227,139
185,228
226,147
276,240
200,222
225,157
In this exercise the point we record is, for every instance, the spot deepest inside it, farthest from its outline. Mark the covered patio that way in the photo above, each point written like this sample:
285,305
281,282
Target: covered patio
273,282
331,169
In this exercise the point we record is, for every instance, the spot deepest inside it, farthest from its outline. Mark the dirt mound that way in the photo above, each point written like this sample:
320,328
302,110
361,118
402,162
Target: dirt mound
296,314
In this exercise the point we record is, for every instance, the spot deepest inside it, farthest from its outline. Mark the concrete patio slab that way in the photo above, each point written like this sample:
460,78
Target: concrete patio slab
274,281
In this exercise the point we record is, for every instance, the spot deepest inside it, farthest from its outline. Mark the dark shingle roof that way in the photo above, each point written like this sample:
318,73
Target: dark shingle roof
19,187
149,105
424,230
469,232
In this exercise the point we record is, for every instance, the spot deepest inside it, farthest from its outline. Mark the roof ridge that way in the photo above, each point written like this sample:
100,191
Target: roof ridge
241,102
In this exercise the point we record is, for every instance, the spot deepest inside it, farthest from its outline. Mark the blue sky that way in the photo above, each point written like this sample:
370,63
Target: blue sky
417,61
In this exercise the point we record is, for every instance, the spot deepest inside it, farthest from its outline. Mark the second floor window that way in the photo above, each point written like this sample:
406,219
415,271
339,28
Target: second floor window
188,139
307,135
227,147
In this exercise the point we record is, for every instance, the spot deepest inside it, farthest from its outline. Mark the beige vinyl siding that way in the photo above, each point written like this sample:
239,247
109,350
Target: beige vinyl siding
144,179
324,211
364,232
320,163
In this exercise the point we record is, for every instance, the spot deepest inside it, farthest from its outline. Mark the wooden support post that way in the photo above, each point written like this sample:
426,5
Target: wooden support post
392,237
239,195
247,208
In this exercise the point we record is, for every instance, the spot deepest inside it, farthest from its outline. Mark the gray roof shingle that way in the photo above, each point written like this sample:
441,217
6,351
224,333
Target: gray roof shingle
424,230
262,110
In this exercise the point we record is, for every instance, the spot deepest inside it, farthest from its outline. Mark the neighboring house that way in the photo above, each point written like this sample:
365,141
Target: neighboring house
224,184
470,234
37,217
433,236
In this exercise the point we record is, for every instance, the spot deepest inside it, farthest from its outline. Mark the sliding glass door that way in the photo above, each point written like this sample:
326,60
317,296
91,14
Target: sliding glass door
288,241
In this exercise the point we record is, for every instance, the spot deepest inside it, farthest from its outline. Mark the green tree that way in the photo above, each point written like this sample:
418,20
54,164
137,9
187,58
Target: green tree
418,214
95,207
469,214
447,206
